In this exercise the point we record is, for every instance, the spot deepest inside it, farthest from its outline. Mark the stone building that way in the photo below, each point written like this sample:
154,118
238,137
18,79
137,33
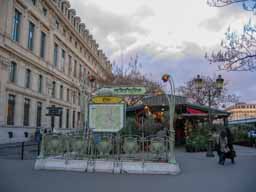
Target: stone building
47,58
242,111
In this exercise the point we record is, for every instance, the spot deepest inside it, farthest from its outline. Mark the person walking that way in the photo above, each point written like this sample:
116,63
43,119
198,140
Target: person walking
231,154
222,147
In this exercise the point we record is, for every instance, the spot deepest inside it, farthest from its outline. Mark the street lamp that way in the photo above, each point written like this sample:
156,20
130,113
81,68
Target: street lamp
171,101
212,92
85,100
199,82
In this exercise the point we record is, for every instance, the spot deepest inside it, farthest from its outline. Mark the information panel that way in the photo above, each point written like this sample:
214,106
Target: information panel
106,117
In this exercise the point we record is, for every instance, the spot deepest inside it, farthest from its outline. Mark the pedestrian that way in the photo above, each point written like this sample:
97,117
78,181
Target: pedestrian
231,154
222,147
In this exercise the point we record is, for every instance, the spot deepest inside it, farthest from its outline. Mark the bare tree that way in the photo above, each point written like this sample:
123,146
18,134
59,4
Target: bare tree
223,3
237,51
131,75
208,94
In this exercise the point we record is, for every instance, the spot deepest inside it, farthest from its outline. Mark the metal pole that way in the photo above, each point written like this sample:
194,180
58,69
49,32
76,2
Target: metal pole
210,141
171,102
38,148
172,159
143,150
22,150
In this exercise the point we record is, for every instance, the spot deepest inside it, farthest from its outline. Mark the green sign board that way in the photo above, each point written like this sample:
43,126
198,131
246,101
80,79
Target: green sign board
123,91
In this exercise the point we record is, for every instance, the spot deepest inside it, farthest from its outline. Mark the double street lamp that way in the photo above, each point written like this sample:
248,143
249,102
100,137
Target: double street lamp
213,91
171,101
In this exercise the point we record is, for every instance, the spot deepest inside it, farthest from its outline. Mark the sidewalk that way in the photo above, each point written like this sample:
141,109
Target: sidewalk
199,173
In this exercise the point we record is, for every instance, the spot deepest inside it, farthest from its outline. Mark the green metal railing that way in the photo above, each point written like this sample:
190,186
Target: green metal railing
105,147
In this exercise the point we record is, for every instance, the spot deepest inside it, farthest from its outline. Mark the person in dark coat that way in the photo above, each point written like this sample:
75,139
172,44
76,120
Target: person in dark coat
231,153
222,147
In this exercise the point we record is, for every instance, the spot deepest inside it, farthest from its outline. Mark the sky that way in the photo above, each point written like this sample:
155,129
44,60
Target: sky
169,36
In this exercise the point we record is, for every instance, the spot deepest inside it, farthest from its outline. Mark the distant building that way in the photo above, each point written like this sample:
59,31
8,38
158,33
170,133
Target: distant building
242,111
46,56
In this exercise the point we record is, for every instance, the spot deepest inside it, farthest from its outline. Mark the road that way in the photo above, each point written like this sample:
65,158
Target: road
199,173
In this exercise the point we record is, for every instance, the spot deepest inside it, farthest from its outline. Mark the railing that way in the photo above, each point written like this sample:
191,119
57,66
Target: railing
20,151
105,146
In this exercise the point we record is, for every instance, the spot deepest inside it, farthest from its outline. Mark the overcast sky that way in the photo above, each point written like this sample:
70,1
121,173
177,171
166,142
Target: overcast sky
168,36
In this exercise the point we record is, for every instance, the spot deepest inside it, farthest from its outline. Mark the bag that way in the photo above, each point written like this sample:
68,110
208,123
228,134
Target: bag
233,153
226,150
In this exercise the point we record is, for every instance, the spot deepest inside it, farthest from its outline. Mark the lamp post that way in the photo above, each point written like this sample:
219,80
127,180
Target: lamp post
213,91
171,101
85,99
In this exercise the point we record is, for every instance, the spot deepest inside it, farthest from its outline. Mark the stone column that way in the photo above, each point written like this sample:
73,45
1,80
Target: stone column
37,39
50,48
24,30
3,95
8,15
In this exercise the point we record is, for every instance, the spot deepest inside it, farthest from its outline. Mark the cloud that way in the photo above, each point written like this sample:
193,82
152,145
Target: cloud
168,36
225,16
113,31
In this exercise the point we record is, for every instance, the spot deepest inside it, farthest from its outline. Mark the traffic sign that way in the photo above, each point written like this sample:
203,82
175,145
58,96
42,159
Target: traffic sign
106,100
54,111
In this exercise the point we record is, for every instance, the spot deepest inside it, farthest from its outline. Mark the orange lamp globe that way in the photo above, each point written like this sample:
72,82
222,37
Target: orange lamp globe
165,78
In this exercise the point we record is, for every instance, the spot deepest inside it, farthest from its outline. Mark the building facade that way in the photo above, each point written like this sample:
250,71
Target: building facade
47,57
242,111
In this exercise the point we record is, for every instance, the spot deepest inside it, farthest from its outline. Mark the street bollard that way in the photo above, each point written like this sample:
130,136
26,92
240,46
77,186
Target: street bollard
22,150
38,148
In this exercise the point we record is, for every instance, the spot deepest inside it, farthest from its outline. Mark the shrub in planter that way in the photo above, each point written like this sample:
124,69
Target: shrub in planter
188,145
196,143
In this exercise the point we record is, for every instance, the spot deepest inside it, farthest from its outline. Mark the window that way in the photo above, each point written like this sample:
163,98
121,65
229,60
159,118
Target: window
53,89
60,120
31,31
61,92
26,112
67,94
75,68
67,118
28,78
75,44
62,7
16,26
45,11
80,72
78,119
39,114
79,97
69,65
57,24
13,67
34,2
11,110
42,48
63,56
52,120
55,60
84,76
40,83
74,119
